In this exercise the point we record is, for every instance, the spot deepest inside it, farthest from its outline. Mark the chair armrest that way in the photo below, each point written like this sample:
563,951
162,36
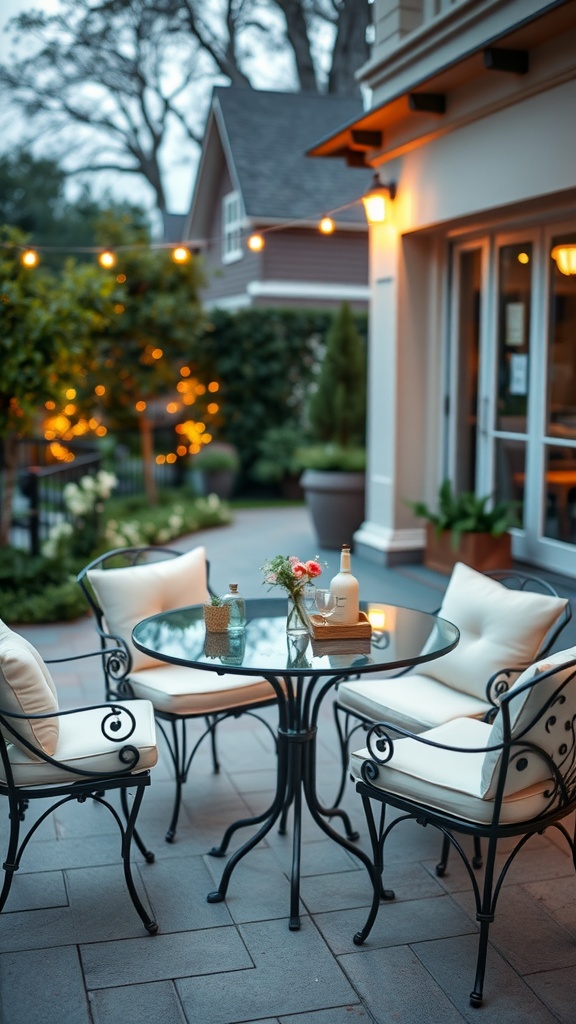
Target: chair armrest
117,725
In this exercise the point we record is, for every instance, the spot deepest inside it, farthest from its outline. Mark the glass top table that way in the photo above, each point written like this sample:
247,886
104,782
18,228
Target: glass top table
301,671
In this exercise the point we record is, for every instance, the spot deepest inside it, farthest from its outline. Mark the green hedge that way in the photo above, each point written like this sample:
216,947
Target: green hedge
266,361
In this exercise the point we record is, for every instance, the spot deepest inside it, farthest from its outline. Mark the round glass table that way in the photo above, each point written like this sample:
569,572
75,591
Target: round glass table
301,670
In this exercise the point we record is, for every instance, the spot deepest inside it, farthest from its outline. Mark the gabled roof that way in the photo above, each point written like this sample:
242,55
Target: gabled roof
262,137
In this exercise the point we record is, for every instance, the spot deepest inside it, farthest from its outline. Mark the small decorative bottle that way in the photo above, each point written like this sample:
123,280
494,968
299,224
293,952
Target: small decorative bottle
345,588
237,607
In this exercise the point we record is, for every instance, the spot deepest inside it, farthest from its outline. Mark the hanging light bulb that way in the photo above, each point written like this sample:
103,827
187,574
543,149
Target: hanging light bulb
255,243
29,258
107,259
327,226
181,254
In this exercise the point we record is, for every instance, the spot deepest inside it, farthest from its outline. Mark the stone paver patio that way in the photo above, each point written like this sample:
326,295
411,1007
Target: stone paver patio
73,951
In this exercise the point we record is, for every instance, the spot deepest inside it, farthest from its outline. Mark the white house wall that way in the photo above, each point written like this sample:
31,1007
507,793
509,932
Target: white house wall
475,174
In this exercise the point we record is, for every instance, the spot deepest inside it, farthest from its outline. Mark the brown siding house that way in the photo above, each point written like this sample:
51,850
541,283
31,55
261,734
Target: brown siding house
254,177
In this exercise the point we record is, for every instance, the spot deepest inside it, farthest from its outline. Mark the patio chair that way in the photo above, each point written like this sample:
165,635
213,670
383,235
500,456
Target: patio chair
65,756
127,585
508,780
506,619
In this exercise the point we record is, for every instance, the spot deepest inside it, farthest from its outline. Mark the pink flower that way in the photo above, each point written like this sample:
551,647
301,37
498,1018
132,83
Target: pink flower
293,559
299,570
313,568
271,578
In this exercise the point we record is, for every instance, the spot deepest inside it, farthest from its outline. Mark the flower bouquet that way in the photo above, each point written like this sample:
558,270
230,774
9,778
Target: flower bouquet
294,576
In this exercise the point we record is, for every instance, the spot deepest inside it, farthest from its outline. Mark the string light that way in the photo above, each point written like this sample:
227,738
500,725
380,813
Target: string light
255,243
181,254
107,259
327,226
29,258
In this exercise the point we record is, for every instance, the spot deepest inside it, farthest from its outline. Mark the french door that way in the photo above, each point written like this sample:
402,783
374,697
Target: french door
512,385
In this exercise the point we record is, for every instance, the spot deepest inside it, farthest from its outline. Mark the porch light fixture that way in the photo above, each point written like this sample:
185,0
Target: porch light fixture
565,256
374,199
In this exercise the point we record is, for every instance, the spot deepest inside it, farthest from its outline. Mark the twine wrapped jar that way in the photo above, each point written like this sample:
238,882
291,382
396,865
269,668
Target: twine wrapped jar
216,617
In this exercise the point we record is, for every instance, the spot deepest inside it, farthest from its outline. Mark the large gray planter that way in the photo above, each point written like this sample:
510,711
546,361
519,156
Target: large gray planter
335,500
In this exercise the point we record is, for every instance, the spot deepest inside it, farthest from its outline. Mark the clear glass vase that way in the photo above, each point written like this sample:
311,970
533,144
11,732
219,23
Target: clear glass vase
296,618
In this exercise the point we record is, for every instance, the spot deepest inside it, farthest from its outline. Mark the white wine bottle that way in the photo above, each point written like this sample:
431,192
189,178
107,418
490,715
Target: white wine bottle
345,588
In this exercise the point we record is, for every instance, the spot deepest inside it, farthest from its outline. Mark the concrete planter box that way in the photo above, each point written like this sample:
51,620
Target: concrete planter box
478,550
335,500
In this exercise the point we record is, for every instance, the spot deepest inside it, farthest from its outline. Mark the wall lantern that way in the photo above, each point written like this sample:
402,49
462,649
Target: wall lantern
180,254
374,199
565,256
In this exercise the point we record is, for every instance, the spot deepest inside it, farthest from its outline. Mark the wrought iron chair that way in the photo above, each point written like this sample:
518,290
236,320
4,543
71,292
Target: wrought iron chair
502,781
506,619
79,754
127,585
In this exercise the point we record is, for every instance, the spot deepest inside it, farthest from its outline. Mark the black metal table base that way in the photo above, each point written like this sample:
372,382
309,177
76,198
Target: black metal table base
296,774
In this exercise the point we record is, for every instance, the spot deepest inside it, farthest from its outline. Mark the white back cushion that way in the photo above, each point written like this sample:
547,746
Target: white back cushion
553,732
499,628
26,687
133,593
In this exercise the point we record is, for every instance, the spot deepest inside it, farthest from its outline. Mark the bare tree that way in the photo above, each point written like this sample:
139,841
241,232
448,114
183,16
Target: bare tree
127,75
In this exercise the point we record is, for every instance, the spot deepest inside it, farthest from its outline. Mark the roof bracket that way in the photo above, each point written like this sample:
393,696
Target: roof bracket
427,102
365,139
515,61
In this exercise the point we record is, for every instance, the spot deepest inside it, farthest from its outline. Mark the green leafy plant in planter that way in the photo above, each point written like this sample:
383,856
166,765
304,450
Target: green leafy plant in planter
468,527
333,480
215,469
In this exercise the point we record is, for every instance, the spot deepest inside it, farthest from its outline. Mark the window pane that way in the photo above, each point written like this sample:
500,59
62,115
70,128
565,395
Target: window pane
515,281
510,478
561,399
560,493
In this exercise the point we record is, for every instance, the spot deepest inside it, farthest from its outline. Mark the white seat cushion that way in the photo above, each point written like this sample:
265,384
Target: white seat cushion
553,732
26,687
131,594
414,701
450,781
178,690
499,628
82,744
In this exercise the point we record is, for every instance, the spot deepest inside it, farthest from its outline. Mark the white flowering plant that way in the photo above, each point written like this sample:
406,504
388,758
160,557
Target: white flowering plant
84,501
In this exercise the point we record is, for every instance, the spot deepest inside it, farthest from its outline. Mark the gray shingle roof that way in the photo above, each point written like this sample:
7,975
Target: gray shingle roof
268,135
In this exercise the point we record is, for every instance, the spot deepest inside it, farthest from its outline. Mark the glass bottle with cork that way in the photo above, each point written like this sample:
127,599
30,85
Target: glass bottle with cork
345,588
237,607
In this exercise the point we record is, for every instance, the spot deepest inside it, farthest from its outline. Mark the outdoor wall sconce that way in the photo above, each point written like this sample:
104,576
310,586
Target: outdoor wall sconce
565,256
374,199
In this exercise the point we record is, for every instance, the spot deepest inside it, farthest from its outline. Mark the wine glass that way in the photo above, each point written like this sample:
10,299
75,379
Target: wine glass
326,604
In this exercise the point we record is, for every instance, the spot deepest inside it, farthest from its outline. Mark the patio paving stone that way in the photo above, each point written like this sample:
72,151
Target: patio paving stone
73,950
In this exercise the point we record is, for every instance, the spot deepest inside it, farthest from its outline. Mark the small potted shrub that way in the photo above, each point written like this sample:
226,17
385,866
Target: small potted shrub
467,528
215,469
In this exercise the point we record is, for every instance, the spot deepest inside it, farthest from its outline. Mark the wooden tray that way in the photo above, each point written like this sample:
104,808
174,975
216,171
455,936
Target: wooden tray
321,630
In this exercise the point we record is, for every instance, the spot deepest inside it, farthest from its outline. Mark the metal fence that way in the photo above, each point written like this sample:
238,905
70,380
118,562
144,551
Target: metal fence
39,496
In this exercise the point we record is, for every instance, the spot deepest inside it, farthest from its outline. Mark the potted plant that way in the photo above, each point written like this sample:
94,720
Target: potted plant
467,528
215,469
334,466
216,615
